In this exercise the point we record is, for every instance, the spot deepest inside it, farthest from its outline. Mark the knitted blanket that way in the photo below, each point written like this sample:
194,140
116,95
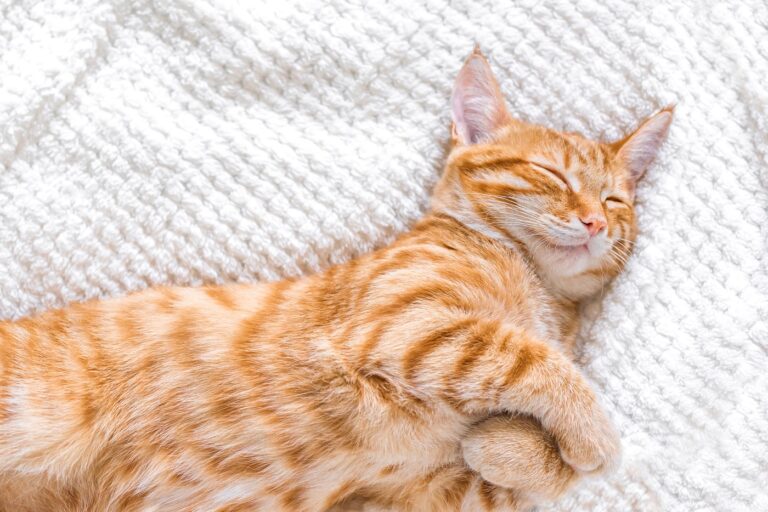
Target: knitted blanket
193,141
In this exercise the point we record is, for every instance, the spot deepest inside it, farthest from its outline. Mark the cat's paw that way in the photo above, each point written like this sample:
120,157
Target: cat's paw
515,452
589,442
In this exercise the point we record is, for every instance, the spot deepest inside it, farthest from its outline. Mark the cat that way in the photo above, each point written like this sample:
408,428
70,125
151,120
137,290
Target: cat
433,374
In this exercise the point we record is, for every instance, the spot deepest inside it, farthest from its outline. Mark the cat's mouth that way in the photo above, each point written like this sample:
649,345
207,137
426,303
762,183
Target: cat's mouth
573,249
593,249
568,246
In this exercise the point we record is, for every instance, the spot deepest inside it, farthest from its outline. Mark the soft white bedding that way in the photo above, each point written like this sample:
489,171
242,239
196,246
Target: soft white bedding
187,141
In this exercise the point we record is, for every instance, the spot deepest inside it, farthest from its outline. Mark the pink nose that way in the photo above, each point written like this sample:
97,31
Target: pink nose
593,223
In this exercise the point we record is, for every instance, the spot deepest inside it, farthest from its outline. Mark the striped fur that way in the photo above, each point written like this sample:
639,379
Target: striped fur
433,374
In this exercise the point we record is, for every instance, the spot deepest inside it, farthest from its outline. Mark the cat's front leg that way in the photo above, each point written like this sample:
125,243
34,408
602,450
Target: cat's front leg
485,367
537,380
555,392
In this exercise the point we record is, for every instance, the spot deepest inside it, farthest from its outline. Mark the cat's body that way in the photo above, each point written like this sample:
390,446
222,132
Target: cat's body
364,382
297,392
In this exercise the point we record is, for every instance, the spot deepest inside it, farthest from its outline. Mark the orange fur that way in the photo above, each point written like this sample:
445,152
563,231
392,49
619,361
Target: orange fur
370,382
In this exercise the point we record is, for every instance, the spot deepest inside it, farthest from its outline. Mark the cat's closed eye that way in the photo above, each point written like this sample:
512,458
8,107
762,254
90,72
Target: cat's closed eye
551,171
616,201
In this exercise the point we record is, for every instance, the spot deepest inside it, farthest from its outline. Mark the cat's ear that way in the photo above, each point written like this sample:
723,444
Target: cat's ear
636,151
478,107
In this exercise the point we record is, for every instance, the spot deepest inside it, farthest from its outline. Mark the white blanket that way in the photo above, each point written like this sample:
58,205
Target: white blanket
188,141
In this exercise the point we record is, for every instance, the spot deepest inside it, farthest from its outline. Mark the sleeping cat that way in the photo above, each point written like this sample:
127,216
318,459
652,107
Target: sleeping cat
433,374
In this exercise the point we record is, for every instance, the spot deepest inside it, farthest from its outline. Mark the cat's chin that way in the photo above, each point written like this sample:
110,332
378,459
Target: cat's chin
564,262
567,267
584,255
569,272
569,254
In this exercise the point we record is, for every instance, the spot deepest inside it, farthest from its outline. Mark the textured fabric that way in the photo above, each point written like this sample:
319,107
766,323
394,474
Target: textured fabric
186,141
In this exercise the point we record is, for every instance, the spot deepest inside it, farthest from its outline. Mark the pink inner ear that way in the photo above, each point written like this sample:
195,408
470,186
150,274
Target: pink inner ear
639,149
478,105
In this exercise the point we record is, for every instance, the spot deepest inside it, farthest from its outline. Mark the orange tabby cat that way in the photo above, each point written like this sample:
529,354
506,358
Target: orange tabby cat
434,374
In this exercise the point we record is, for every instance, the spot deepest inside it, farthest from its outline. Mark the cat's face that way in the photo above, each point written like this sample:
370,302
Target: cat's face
567,200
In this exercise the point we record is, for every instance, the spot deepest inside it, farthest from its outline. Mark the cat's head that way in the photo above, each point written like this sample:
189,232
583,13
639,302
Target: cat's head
566,200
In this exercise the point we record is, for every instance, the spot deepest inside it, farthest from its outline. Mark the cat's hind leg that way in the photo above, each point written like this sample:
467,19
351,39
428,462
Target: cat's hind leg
517,453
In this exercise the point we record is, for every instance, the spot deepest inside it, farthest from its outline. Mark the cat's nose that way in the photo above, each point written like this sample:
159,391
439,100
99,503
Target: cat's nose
594,223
